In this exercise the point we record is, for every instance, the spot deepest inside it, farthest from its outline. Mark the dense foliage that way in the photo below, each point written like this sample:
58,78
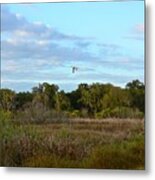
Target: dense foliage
88,100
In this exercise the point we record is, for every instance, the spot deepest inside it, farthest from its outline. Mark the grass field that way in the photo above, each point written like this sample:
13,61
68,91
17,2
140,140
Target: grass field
78,143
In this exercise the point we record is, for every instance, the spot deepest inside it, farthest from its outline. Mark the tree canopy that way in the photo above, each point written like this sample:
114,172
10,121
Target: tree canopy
88,100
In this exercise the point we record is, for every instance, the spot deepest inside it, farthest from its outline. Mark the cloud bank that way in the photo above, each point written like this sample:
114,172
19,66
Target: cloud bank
33,52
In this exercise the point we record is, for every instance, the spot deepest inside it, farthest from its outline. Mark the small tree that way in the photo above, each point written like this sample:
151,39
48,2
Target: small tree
7,98
136,90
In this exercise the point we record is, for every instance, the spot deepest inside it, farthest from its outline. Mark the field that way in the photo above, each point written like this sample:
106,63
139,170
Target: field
77,143
73,86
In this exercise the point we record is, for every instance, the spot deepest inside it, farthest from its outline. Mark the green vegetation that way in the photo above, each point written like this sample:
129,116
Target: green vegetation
87,101
110,143
95,126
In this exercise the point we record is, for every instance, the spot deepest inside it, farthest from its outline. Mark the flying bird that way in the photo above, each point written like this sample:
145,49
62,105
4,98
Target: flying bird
74,69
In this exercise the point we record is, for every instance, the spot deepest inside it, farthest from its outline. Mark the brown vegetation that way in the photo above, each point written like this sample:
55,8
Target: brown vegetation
79,143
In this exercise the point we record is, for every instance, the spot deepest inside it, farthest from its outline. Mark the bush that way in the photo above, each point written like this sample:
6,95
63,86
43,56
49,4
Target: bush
103,114
120,112
39,114
6,125
127,155
5,115
74,114
84,113
16,141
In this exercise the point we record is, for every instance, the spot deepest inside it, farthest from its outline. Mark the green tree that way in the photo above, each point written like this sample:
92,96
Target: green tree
7,98
22,98
63,102
46,94
91,97
74,97
116,97
136,90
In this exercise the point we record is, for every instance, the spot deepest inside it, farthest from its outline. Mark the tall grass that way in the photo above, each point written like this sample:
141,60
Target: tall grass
109,144
127,155
16,140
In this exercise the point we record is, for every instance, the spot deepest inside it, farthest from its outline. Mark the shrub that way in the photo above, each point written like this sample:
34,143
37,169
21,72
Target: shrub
40,114
16,141
120,112
103,114
75,114
84,113
127,155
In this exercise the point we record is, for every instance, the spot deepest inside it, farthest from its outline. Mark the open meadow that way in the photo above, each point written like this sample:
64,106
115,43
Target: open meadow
76,143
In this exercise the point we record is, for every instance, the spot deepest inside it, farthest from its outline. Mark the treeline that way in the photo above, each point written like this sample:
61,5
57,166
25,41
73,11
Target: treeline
46,102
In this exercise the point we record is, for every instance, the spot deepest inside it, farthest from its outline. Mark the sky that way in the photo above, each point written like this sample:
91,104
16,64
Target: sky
41,42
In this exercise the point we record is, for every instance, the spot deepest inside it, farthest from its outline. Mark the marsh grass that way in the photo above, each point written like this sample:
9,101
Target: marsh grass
127,155
81,143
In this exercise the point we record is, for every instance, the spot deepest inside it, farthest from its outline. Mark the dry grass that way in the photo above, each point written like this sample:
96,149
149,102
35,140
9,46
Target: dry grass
80,143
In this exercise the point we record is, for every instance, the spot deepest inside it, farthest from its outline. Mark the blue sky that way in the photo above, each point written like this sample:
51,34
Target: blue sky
41,42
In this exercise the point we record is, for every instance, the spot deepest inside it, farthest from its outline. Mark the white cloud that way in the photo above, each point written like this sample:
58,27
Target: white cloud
20,26
22,39
33,52
10,21
9,66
